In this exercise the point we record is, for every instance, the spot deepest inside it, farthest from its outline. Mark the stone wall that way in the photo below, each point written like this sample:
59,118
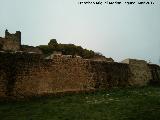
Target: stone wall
51,76
155,72
110,74
140,73
30,75
26,74
11,42
2,83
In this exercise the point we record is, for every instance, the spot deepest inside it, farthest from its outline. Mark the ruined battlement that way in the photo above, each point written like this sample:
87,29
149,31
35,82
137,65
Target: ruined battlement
15,37
11,42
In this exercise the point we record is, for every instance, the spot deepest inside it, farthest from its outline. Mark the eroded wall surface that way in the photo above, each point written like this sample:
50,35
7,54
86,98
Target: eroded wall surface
24,74
155,72
30,75
9,44
140,73
110,74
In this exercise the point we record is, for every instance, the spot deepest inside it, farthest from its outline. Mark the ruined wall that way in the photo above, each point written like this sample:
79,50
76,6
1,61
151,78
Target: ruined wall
26,74
51,76
11,42
6,73
140,74
15,37
155,72
2,83
1,43
110,74
30,75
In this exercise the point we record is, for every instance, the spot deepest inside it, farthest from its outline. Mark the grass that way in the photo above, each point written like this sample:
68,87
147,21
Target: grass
116,104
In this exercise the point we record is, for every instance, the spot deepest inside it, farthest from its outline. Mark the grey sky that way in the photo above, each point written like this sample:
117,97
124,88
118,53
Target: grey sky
117,31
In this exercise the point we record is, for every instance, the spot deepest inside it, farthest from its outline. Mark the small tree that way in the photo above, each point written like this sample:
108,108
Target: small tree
53,42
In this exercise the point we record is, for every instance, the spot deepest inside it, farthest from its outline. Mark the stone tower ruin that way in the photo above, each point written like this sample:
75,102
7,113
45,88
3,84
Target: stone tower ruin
11,42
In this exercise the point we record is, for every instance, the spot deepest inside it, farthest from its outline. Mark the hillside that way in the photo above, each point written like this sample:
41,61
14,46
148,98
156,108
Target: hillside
68,49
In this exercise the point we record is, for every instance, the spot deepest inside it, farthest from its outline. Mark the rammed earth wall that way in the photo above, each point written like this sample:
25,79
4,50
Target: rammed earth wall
155,72
24,74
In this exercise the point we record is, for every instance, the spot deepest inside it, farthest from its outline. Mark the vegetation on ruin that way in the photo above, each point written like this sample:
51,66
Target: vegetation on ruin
116,104
67,49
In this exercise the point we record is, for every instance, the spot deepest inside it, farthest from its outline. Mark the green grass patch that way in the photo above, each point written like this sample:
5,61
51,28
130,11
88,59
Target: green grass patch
116,104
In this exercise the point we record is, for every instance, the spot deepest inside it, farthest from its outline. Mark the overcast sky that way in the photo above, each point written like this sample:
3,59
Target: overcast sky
117,31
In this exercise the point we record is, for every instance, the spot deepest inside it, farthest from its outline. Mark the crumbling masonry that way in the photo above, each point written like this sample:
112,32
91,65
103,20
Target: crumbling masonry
11,42
25,74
